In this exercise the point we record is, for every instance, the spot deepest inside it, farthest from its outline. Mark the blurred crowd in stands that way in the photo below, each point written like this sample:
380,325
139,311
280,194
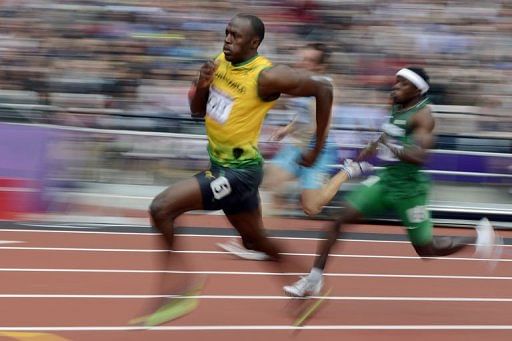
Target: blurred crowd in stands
93,60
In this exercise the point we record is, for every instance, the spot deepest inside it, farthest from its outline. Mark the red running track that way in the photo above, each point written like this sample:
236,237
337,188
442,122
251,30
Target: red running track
86,286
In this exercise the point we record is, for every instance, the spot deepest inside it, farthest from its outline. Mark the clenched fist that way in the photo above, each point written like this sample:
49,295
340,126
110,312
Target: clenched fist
206,74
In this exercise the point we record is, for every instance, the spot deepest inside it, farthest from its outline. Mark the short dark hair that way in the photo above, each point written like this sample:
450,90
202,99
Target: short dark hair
257,25
420,72
322,48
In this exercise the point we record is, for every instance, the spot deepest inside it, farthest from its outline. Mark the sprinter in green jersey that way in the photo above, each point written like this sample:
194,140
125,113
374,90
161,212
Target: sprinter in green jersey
400,187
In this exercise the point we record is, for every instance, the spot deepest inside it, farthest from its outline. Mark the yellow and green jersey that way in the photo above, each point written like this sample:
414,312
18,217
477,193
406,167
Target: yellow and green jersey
235,113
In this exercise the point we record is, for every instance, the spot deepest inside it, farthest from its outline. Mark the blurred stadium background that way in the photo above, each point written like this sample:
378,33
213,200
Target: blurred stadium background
94,111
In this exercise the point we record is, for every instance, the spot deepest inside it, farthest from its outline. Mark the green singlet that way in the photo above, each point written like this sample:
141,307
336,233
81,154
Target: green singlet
399,187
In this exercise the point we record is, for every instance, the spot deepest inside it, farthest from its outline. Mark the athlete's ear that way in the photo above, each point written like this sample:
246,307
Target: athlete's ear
255,42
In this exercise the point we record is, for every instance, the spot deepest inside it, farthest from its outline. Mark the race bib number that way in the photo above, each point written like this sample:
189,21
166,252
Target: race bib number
385,154
220,187
392,132
370,181
417,214
219,106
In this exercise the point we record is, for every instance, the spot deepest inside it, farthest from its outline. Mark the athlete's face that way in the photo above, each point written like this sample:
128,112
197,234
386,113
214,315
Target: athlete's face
309,59
240,41
403,91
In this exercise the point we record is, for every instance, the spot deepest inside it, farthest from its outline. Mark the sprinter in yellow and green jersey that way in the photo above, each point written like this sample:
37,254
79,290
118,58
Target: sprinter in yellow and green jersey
233,93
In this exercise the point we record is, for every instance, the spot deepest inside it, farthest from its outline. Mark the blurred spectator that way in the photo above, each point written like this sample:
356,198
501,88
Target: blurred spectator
140,55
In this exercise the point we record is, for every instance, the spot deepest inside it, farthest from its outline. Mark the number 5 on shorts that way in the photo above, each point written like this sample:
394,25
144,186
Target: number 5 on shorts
220,187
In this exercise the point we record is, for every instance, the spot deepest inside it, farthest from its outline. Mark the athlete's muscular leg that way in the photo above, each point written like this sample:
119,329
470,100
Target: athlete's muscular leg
164,209
349,215
274,177
416,216
250,227
276,180
443,246
167,206
313,200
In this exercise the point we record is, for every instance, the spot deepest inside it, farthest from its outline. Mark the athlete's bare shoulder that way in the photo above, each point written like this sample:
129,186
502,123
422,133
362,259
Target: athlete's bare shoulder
424,119
284,79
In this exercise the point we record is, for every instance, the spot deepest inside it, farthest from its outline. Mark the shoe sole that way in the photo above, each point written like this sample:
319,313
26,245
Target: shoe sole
294,295
175,309
243,253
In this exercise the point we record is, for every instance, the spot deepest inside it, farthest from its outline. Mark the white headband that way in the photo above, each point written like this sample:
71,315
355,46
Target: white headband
415,79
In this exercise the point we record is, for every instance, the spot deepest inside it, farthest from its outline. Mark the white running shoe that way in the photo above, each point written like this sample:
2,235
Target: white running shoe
497,253
486,241
237,249
304,287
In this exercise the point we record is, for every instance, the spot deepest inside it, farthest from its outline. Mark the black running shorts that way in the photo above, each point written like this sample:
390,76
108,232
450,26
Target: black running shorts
233,190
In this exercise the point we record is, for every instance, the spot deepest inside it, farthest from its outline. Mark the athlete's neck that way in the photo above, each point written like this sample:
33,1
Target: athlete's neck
246,60
410,104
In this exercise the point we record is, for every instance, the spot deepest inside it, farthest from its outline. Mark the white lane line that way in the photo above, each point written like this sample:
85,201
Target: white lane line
209,236
253,273
10,241
205,252
74,249
82,232
265,297
256,328
63,226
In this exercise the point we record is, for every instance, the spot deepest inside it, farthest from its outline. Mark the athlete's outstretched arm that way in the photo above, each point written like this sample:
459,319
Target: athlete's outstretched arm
423,126
283,79
281,132
199,97
369,150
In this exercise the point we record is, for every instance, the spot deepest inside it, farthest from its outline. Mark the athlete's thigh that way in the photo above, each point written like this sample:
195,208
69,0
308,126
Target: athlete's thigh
230,189
244,194
286,159
213,188
274,176
369,199
415,217
315,176
180,197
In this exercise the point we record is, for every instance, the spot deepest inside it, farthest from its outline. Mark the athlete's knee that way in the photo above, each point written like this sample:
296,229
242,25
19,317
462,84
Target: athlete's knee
348,215
155,209
160,208
311,210
310,204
